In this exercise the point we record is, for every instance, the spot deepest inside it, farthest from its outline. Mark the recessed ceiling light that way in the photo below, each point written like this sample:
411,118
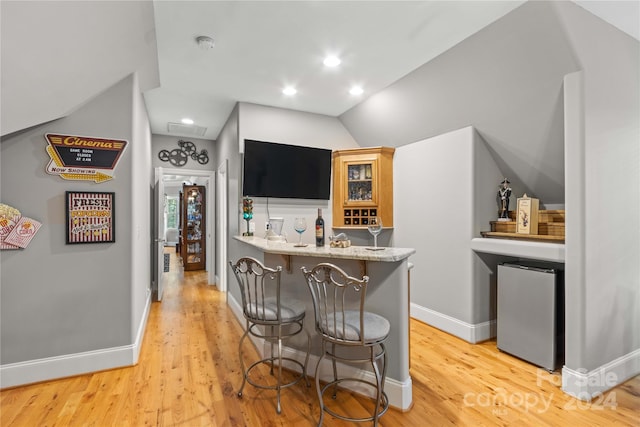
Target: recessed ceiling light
289,90
187,121
331,61
356,90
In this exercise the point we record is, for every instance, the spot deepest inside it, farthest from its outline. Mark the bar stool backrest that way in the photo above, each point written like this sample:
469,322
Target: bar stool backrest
338,304
259,288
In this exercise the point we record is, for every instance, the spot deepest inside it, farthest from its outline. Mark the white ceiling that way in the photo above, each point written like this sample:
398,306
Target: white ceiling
261,46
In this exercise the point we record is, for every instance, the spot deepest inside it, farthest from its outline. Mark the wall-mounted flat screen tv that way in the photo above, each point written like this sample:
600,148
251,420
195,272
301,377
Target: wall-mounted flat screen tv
285,171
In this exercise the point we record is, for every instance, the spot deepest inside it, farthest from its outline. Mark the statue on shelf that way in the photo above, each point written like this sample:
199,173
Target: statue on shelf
247,214
504,194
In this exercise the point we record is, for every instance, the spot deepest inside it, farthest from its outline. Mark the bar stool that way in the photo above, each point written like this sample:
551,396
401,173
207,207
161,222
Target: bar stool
270,317
343,324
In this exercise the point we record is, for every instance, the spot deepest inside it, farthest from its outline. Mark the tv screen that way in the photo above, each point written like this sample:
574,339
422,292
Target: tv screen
285,171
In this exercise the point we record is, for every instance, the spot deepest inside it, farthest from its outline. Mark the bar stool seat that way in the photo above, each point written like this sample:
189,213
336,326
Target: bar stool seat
272,317
376,327
343,323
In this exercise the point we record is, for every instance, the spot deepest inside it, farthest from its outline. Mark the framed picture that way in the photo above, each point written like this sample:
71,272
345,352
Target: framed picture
90,217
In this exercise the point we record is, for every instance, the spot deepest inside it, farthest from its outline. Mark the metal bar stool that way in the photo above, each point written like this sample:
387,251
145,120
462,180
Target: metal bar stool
270,317
343,324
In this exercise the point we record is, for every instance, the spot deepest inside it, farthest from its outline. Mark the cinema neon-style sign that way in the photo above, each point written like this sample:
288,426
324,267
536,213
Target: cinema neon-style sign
83,158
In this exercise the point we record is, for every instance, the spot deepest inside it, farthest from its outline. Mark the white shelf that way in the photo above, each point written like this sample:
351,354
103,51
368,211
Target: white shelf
518,248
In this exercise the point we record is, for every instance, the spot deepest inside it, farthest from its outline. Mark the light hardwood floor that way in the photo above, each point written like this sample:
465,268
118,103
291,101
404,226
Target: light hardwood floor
188,375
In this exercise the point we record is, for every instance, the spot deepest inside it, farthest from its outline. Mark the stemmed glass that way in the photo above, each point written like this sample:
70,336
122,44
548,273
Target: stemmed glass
300,225
375,227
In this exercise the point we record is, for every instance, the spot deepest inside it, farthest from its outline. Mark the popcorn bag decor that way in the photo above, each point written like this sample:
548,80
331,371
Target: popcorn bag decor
16,231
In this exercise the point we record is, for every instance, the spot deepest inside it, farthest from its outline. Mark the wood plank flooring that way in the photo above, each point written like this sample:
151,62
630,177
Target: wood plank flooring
188,375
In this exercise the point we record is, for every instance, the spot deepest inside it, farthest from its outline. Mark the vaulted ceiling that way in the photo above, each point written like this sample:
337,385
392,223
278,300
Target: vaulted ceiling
57,55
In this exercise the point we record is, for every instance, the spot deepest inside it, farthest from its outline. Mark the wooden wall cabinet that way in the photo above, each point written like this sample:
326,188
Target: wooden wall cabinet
362,186
192,229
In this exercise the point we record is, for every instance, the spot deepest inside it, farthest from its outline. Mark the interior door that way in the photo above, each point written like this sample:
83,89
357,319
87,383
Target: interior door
211,185
158,253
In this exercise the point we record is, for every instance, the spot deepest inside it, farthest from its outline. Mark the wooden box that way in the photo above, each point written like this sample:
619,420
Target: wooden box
527,215
550,227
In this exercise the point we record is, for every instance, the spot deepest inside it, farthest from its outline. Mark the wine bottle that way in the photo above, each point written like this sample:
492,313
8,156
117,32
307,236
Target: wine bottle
319,229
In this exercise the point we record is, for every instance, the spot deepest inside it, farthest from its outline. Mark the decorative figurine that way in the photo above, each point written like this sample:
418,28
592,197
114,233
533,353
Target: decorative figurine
247,214
504,193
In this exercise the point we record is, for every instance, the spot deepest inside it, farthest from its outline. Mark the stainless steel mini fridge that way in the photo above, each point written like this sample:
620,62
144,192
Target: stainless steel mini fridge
531,312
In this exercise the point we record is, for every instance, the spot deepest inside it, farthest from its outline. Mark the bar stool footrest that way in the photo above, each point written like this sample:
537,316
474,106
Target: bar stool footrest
383,407
268,361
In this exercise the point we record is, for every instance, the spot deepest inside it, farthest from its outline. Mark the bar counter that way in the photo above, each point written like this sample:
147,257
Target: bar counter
387,295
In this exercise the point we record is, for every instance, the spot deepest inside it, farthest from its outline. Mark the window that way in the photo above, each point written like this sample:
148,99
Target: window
171,214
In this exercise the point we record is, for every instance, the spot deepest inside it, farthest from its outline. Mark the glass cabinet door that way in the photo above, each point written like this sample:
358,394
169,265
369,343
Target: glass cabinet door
193,231
361,183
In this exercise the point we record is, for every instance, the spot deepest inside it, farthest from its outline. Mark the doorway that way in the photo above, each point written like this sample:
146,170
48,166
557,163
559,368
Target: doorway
171,185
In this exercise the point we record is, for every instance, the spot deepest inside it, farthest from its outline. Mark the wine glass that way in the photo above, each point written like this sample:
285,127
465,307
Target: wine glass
375,227
300,225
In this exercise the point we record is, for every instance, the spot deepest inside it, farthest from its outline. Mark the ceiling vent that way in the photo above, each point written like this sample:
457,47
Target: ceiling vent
180,129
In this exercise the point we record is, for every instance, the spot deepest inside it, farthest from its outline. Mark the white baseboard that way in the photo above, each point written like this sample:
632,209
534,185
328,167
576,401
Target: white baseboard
467,331
588,385
235,307
142,327
400,393
50,368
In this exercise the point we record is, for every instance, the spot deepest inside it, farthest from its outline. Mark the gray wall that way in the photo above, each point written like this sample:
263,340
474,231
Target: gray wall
47,74
141,216
227,149
166,142
605,195
505,80
439,220
296,128
279,125
292,127
59,299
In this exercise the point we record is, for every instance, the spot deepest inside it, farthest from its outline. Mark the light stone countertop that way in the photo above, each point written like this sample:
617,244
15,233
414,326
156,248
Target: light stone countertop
352,252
